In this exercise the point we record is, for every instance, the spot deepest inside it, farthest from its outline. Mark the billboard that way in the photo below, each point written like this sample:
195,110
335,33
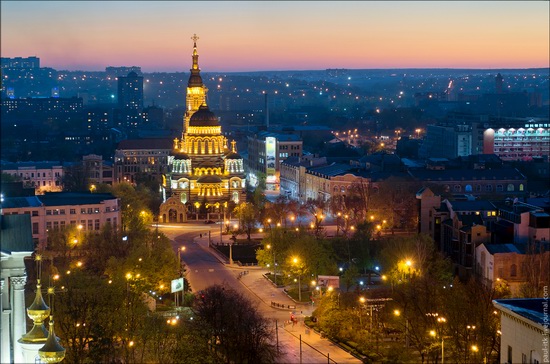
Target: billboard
177,285
270,145
329,281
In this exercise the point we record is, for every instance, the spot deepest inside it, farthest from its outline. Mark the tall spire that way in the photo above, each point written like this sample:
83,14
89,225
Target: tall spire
195,54
195,79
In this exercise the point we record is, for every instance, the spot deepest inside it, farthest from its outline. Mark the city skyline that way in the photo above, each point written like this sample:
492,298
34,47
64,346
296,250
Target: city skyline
264,36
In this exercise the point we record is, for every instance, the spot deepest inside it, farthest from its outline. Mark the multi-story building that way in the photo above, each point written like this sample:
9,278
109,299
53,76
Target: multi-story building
56,210
509,138
266,151
141,158
21,62
448,141
130,100
459,227
43,176
522,143
203,173
474,181
524,327
512,264
97,170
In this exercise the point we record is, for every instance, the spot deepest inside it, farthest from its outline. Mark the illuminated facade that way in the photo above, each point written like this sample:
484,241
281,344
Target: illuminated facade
204,174
533,140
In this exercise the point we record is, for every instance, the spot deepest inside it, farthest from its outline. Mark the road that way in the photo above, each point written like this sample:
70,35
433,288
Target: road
205,269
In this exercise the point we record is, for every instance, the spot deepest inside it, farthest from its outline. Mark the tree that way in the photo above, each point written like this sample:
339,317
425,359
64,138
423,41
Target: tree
234,327
75,178
536,268
247,215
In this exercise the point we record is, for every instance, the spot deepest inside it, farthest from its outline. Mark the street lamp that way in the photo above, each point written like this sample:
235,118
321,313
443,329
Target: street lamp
296,261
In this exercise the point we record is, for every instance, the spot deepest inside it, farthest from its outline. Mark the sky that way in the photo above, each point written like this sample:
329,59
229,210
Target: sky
239,36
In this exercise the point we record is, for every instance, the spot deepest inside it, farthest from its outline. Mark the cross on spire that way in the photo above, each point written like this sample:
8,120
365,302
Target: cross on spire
233,146
195,38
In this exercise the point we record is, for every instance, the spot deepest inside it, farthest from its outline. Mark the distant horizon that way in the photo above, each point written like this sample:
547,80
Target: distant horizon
264,36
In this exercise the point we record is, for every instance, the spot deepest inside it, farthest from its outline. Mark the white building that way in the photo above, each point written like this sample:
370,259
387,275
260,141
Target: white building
56,210
17,244
42,176
524,327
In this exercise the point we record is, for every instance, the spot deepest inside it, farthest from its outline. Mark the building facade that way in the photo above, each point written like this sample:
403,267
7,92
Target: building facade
266,152
522,324
57,210
141,158
43,176
204,175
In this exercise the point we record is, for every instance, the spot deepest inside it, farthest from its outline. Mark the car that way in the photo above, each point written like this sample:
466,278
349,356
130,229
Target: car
209,222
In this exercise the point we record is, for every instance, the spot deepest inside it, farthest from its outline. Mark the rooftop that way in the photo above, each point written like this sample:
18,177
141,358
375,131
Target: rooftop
531,309
148,143
16,233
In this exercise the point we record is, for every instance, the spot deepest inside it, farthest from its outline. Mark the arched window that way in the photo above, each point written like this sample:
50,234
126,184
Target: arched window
500,188
183,197
489,188
513,270
447,188
468,188
235,197
457,188
510,187
521,187
478,188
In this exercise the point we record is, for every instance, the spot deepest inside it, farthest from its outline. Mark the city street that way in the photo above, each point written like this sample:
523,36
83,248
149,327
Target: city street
206,268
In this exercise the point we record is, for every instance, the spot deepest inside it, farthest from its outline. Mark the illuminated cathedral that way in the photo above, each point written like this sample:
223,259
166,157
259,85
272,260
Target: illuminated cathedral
204,175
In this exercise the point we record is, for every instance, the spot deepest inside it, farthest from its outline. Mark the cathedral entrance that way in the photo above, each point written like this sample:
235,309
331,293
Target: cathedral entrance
172,216
173,211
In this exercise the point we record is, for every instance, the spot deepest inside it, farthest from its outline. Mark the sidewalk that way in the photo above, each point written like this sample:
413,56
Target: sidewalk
315,349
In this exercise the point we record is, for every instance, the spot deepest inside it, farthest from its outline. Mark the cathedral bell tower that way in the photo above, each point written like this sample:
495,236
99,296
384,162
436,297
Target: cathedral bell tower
196,91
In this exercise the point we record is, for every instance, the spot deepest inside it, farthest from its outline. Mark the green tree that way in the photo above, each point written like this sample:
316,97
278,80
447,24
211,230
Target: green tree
234,327
247,215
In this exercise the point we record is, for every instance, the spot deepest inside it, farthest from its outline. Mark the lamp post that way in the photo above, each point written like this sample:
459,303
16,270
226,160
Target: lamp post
269,247
295,261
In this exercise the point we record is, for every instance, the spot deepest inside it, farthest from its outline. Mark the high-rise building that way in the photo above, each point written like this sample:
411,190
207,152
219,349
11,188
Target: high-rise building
130,100
130,92
204,174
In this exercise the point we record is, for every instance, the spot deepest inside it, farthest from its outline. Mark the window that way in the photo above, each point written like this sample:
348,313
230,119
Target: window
62,212
72,211
34,228
510,187
513,270
488,188
523,358
82,210
90,210
468,188
96,224
48,225
500,188
509,361
35,213
96,210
